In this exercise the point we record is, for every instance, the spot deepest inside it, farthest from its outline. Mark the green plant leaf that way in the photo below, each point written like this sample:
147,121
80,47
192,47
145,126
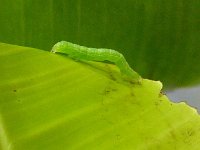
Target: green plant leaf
49,101
160,39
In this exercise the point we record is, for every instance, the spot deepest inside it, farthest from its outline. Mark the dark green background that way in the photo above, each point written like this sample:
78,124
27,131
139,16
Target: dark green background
159,38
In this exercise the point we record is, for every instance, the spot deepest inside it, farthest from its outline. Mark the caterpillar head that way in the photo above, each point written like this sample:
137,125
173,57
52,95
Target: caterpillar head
63,47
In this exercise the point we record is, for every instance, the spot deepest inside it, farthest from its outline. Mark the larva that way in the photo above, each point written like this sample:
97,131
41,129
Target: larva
93,54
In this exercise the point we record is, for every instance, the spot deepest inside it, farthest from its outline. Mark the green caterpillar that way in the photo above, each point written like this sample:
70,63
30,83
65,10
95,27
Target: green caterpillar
93,54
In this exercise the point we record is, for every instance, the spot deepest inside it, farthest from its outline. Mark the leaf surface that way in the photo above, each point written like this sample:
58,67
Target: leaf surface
49,101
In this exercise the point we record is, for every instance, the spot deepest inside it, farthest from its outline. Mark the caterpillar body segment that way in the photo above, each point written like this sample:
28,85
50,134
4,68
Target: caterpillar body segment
93,54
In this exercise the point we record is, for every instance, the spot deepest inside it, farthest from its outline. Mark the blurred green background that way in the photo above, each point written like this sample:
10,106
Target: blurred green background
160,39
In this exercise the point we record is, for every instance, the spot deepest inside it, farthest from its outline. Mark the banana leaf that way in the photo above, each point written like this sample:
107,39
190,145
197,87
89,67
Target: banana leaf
52,102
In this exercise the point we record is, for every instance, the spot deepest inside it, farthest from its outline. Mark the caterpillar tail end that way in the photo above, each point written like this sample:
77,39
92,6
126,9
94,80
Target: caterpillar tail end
137,80
134,78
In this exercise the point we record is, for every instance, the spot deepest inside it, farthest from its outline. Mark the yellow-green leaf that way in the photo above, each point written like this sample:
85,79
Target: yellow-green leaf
51,102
